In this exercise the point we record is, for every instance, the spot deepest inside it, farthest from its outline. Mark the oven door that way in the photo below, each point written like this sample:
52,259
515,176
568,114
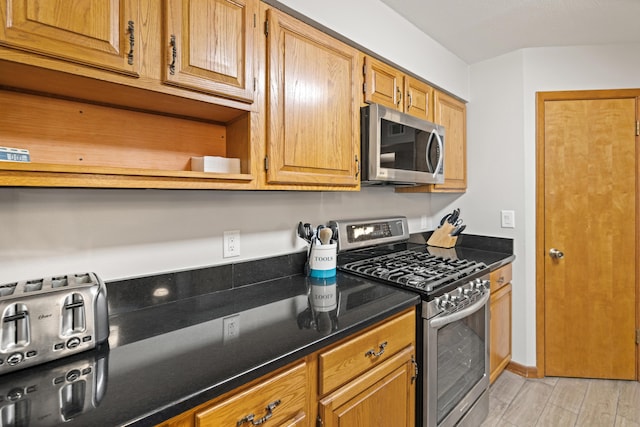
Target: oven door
456,364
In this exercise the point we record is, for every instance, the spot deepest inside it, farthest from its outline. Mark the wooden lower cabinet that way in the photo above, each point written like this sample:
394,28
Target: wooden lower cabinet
500,324
383,396
327,387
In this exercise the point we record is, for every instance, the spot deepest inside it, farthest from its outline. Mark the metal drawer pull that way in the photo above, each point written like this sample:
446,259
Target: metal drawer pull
373,353
174,53
250,418
132,42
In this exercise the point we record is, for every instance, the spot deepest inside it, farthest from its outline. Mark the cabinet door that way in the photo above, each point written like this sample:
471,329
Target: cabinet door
452,114
98,33
313,126
418,98
383,396
210,46
281,399
383,84
500,331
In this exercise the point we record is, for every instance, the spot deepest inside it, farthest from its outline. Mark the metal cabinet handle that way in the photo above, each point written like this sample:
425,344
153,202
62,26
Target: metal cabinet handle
415,369
132,42
410,100
556,254
174,53
250,418
373,353
399,92
357,167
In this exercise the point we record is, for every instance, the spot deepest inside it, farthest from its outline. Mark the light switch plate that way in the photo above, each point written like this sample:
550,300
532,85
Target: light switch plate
508,219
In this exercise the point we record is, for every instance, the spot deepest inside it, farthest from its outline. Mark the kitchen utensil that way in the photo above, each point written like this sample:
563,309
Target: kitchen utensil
454,216
308,231
458,230
302,232
334,229
325,234
444,219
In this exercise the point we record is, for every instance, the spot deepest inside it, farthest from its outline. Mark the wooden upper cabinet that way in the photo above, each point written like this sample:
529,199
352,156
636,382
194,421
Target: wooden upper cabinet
418,98
211,46
313,126
385,85
98,33
382,84
452,114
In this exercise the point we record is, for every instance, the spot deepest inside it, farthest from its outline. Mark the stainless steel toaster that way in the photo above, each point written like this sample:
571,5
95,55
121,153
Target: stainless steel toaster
50,318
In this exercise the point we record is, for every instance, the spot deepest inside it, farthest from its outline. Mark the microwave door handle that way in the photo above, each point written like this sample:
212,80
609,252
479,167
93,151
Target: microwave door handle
428,150
441,156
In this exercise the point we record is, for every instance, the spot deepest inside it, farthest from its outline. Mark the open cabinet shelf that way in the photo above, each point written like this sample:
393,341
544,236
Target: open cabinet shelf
80,144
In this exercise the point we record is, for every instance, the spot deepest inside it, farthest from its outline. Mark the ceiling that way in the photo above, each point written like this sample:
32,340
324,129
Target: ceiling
476,30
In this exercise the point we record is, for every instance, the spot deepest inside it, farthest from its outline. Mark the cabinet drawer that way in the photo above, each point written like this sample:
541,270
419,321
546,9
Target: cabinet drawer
285,393
500,277
350,359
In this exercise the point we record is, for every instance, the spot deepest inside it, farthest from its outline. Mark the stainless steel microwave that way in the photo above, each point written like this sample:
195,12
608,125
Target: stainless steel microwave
400,149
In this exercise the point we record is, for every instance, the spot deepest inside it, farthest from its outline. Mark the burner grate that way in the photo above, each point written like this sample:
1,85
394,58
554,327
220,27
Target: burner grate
417,270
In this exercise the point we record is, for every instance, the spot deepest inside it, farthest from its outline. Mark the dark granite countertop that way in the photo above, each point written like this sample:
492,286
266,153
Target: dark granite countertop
495,252
166,358
166,351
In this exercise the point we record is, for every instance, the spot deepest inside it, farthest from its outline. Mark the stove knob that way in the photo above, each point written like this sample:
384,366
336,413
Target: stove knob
467,291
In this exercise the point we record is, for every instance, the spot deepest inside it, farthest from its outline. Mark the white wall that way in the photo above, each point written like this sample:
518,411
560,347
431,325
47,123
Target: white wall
374,26
502,147
130,233
127,233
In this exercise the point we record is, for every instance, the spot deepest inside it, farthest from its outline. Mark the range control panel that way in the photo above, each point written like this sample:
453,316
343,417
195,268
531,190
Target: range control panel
359,233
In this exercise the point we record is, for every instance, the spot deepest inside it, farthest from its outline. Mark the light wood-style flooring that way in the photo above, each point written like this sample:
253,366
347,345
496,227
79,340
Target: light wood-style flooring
558,402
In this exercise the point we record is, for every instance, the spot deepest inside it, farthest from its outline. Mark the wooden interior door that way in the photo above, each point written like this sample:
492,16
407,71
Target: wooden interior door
589,214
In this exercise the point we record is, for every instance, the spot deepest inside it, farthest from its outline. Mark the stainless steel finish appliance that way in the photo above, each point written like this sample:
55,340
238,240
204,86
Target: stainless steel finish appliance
453,333
50,318
399,148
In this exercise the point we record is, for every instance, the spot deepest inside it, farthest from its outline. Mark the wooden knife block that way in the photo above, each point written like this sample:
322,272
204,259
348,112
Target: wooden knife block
442,238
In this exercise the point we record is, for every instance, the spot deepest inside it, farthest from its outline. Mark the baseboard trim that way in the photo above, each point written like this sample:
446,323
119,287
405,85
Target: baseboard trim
523,371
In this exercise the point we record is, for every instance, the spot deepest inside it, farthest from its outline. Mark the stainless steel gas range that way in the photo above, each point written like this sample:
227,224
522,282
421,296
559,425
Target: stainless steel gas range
453,331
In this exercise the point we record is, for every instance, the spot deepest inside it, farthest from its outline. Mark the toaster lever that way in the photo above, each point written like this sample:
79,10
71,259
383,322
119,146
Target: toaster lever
18,316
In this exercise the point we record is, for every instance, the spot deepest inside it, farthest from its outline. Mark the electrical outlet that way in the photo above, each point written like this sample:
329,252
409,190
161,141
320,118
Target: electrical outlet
508,219
231,244
230,327
423,222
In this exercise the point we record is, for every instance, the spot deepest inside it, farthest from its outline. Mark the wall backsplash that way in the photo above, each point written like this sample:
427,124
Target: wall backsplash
131,233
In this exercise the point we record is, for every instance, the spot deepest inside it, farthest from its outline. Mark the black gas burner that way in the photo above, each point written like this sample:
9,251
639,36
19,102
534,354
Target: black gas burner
415,270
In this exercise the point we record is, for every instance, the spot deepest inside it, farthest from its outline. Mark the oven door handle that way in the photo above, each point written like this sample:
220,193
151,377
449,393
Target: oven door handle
441,321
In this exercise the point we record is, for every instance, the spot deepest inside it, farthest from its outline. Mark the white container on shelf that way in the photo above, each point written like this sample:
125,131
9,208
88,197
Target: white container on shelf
215,164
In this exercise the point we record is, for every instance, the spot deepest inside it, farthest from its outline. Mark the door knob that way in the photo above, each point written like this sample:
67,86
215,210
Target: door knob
554,253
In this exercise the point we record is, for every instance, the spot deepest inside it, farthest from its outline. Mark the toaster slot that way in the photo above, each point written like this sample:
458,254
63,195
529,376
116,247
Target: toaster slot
73,315
33,285
8,289
58,282
15,327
